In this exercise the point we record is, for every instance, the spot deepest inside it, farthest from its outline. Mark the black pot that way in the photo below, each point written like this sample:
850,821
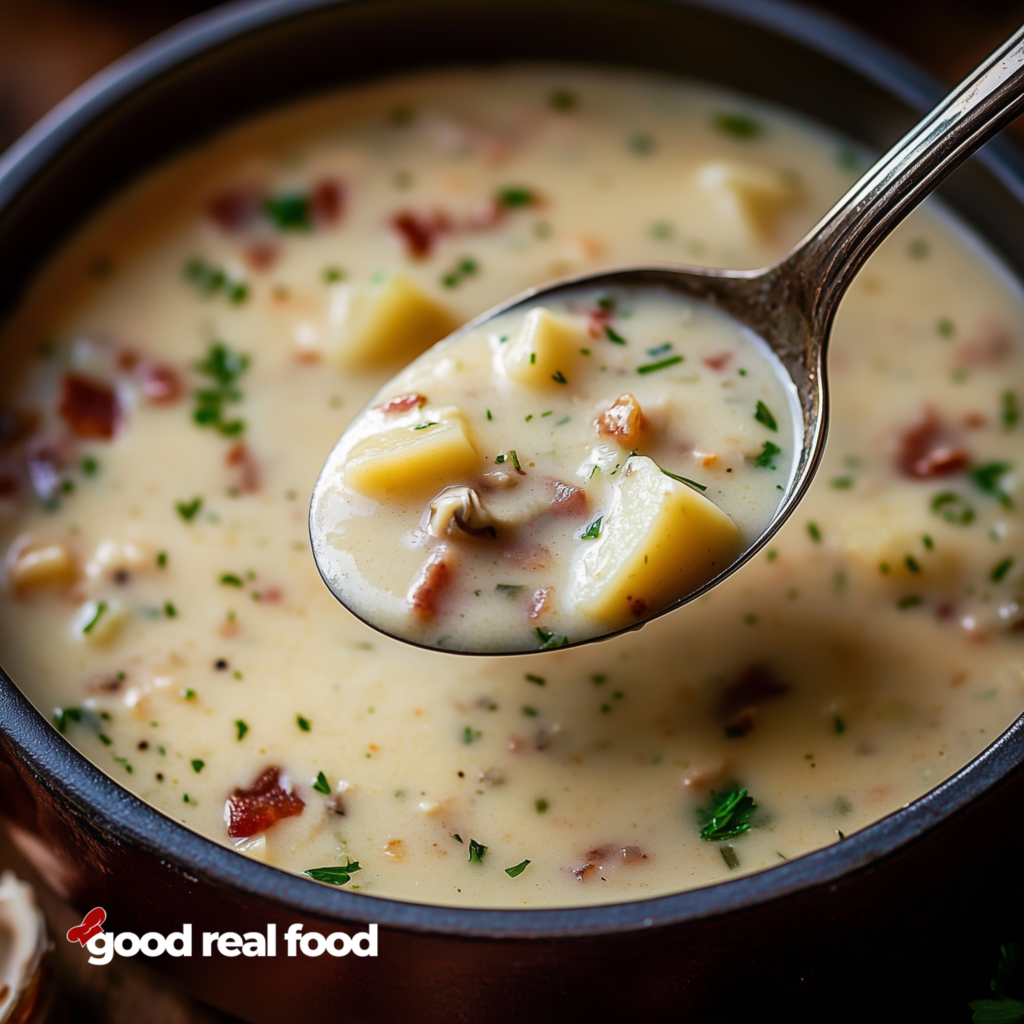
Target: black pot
899,921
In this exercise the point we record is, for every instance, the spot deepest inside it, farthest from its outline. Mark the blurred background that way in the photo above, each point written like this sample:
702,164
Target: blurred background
49,47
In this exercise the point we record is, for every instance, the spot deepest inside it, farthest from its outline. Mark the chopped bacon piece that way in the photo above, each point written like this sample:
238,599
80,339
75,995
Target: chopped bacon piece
234,209
17,425
264,804
637,605
418,231
925,451
430,584
539,601
754,685
974,420
44,460
261,256
161,383
567,501
239,457
717,361
327,202
989,346
89,407
403,403
623,421
269,595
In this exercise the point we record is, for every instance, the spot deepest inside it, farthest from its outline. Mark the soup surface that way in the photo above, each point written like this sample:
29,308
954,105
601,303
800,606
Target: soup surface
448,515
177,376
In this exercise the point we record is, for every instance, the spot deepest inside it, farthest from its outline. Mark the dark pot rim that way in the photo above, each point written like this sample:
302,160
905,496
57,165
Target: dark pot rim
92,795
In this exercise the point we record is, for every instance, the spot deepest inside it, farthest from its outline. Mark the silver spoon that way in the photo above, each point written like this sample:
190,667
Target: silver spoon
792,304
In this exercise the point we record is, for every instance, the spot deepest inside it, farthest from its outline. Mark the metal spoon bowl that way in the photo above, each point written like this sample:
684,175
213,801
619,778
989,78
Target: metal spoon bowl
791,304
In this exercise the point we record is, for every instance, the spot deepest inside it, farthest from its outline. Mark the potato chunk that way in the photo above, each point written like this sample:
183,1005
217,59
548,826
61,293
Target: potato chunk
545,352
659,541
416,461
33,567
755,197
390,320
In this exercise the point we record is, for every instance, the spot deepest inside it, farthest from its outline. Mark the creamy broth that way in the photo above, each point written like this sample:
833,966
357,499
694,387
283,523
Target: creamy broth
177,376
452,516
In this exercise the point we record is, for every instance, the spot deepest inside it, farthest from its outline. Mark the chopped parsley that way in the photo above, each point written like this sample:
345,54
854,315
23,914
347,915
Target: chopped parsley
660,350
945,327
593,531
516,197
90,465
763,415
466,267
303,723
476,852
223,367
614,336
558,377
728,816
468,735
768,453
1005,986
289,211
999,572
161,559
548,640
425,424
814,532
661,364
198,765
952,508
910,601
841,483
739,126
509,457
170,610
333,274
642,144
322,785
1010,411
989,479
536,680
334,876
541,805
562,100
839,725
210,280
101,609
242,728
510,589
530,711
517,869
229,579
683,479
912,563
188,510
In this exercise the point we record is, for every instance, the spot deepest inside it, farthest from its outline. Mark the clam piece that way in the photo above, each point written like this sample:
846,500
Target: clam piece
23,946
460,508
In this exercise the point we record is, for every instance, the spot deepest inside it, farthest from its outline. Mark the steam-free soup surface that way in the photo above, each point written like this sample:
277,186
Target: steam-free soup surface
177,376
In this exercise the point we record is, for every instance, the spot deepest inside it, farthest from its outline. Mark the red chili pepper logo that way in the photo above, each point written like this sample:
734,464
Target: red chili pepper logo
91,925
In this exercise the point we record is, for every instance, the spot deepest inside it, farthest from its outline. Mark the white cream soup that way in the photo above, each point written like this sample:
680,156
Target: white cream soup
164,427
450,515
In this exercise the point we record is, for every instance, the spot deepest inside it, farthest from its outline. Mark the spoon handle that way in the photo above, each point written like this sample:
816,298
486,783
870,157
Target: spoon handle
825,262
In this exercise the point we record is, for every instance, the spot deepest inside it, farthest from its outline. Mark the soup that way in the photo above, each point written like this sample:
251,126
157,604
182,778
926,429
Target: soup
176,377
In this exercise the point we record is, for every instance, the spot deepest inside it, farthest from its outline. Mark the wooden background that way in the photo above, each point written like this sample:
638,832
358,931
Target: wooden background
48,47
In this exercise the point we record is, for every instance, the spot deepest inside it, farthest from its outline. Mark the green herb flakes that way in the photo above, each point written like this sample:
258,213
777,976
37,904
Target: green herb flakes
209,280
768,454
229,579
517,869
476,852
838,725
728,816
593,531
101,609
222,367
468,735
529,711
241,728
188,510
466,267
536,680
541,805
841,483
321,785
684,480
999,572
614,337
729,856
290,211
910,601
334,876
562,100
1010,411
661,364
514,197
763,415
303,723
814,532
198,765
510,589
739,126
170,610
952,508
989,479
548,640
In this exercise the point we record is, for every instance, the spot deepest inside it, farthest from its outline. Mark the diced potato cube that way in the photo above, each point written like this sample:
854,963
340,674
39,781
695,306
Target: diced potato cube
390,320
659,542
545,352
31,568
414,461
99,622
752,196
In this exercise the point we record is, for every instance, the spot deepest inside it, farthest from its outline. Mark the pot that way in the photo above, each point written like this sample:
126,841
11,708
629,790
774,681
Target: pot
886,922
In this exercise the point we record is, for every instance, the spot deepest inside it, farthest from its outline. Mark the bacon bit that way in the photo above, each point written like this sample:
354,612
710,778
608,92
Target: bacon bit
261,256
516,743
539,601
270,595
567,501
419,232
426,589
264,804
44,460
89,408
161,383
127,360
637,605
754,685
238,456
8,486
17,425
234,209
707,459
393,848
974,421
606,857
327,202
623,421
924,451
945,610
717,362
992,345
105,682
403,403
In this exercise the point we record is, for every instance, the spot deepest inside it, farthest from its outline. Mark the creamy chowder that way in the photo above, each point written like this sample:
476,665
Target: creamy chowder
449,516
178,374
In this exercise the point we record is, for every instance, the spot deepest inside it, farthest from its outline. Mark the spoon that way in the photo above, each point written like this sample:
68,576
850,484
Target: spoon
791,305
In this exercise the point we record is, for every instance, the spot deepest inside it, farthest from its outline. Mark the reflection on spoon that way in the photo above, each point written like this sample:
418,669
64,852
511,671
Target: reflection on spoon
433,522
